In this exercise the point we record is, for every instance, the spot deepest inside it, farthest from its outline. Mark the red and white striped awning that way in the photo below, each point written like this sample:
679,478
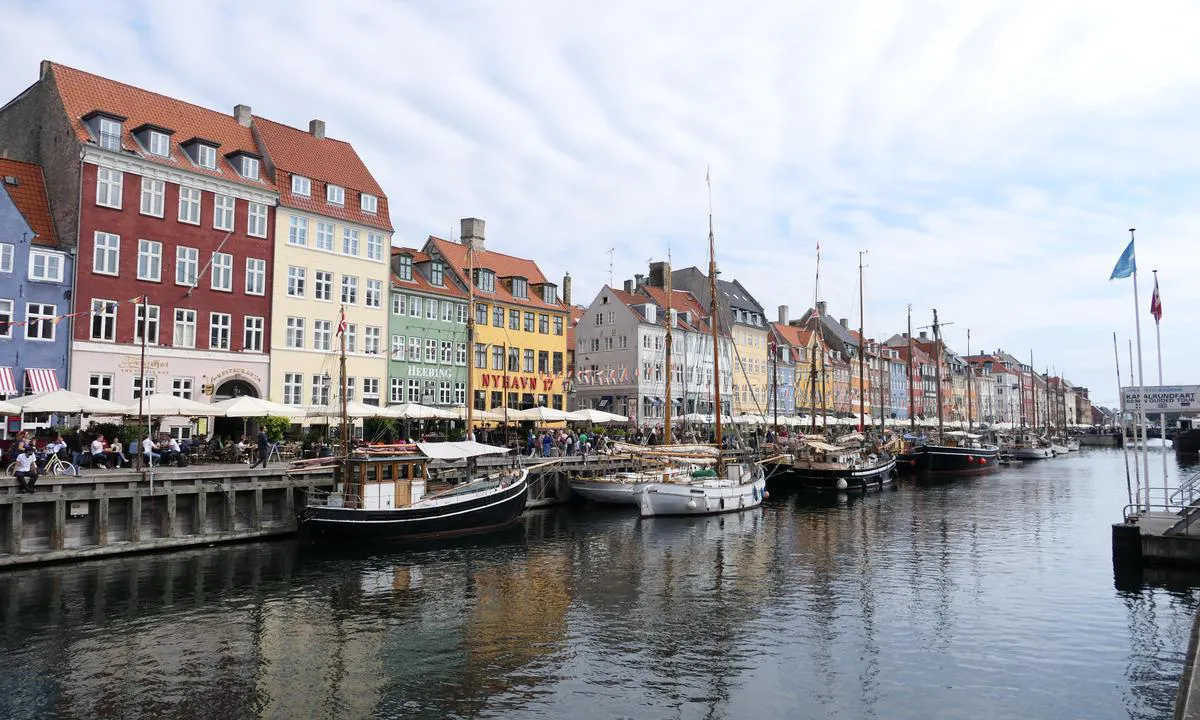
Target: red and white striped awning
41,380
8,386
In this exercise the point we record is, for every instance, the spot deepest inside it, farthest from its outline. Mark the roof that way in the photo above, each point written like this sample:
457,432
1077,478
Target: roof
324,161
29,195
82,93
420,282
793,335
576,313
499,263
682,301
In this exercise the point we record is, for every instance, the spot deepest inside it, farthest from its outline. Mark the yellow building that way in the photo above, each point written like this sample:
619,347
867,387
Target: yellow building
333,242
519,357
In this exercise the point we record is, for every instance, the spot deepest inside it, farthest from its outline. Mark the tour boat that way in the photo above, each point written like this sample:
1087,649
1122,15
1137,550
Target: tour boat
1029,446
819,466
665,463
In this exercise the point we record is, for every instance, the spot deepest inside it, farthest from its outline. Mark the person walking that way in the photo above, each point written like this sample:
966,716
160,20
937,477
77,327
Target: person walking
264,447
25,469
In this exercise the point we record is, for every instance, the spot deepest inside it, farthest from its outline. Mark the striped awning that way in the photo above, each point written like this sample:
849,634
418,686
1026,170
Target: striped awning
41,380
8,386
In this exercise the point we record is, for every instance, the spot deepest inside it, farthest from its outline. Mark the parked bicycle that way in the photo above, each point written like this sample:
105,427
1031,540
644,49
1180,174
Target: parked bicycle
54,466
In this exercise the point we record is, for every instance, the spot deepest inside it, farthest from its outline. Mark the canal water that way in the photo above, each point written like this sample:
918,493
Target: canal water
991,597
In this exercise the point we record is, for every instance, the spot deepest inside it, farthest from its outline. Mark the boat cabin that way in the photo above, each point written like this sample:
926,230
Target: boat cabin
382,482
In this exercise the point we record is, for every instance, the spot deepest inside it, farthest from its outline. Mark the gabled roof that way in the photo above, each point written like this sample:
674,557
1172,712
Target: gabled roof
324,161
682,301
793,335
574,314
29,195
83,93
499,263
420,282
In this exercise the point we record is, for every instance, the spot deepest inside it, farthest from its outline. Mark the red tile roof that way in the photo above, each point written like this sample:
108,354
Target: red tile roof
323,161
420,281
501,264
83,92
29,195
576,313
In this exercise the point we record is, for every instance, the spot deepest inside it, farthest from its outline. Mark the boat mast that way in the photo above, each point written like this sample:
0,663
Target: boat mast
969,373
1033,391
812,384
816,334
668,321
912,401
862,351
467,414
712,293
345,434
880,351
773,345
937,359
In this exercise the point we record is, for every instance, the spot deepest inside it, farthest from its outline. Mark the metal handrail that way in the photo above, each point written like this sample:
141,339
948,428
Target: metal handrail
1184,511
1190,486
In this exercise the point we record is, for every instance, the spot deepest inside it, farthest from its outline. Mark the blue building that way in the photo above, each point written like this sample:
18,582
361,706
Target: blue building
36,274
898,373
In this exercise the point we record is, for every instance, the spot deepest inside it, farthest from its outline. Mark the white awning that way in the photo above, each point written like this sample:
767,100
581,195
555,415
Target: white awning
8,385
458,450
41,380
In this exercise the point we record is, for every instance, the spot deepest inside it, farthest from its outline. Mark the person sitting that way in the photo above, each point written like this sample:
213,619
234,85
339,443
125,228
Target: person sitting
18,447
148,450
169,447
26,470
116,453
57,446
239,450
99,457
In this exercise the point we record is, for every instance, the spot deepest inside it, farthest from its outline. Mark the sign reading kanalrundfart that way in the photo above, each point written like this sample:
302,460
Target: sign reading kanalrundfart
1163,398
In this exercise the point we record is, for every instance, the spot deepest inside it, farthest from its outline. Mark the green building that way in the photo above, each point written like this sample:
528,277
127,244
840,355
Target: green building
427,360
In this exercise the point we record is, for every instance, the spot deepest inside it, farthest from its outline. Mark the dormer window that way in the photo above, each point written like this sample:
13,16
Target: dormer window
550,294
404,267
249,167
437,274
335,194
369,203
206,156
110,134
520,288
301,186
485,280
159,144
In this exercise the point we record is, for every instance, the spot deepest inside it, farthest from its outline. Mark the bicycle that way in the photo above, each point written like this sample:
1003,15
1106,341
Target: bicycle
54,466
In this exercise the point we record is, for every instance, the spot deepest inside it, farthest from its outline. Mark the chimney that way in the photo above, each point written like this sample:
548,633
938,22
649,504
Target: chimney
242,114
638,281
316,128
470,233
658,271
923,337
821,307
629,286
566,294
845,323
783,314
44,70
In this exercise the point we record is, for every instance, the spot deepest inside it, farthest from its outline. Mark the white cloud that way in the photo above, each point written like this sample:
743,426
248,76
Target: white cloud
989,155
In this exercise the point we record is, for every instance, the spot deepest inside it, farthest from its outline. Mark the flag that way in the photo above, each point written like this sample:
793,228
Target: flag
1126,265
342,322
1156,303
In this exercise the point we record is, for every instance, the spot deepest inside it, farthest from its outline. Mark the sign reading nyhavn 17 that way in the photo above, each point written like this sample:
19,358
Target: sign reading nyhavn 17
1167,398
516,382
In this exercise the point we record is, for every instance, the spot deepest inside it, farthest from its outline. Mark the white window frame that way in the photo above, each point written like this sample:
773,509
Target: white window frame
256,276
335,194
395,390
350,241
249,168
153,202
256,220
370,389
372,339
298,231
373,294
151,383
325,236
100,385
520,288
369,203
206,156
183,387
190,201
8,253
7,310
297,278
158,143
109,134
183,333
294,333
350,289
301,186
106,254
322,335
404,267
154,325
374,246
149,266
352,337
220,327
221,273
109,187
293,388
252,333
323,285
32,320
186,257
224,212
105,310
397,348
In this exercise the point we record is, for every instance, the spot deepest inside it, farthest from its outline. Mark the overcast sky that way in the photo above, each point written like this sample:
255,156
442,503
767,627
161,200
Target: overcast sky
989,155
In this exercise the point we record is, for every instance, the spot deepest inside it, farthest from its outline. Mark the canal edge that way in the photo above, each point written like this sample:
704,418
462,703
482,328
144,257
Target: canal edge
1186,706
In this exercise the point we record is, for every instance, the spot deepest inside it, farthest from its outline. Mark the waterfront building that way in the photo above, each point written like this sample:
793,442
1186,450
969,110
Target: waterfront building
1003,405
786,357
36,271
898,383
571,384
743,317
164,200
427,360
520,323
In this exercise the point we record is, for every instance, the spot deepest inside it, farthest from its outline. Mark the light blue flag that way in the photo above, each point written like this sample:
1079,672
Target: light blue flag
1126,266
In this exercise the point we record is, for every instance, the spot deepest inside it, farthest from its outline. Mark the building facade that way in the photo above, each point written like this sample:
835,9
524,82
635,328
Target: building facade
427,358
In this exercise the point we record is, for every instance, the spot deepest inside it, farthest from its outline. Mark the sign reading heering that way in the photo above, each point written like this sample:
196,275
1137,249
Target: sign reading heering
1163,398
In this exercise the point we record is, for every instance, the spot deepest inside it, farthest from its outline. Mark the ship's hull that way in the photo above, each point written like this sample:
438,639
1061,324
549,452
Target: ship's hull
835,477
1187,441
708,497
1032,453
608,492
948,460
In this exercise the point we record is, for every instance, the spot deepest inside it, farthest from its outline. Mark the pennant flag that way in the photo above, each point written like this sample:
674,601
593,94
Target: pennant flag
1156,302
1126,265
341,328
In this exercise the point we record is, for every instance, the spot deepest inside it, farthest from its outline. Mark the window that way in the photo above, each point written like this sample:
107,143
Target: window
514,319
151,383
374,246
256,276
223,208
497,357
544,324
321,385
252,334
322,285
558,325
414,349
294,337
324,236
446,356
349,241
543,362
222,272
6,318
322,334
529,322
295,280
104,320
372,337
397,350
480,355
150,326
549,294
249,167
370,391
206,156
292,385
497,316
256,220
335,194
298,231
181,387
160,143
460,312
460,353
514,359
349,289
436,274
39,321
373,297
301,186
100,385
108,187
369,203
189,205
6,257
397,304
447,311
527,366
110,134
352,337
219,325
520,288
46,266
185,328
485,280
396,390
152,197
149,260
404,267
106,254
431,309
431,351
187,261
444,393
557,363
480,314
414,391
460,393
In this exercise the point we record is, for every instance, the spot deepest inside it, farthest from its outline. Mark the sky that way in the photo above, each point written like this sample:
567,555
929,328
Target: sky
989,156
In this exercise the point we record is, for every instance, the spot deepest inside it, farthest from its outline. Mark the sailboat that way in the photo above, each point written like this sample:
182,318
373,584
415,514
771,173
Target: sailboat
734,482
383,495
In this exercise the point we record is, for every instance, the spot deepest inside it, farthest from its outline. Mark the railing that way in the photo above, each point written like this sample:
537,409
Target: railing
1184,503
334,499
1188,490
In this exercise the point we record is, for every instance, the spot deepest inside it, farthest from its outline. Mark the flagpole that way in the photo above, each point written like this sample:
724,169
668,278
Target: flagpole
1162,417
1137,469
1124,445
1137,325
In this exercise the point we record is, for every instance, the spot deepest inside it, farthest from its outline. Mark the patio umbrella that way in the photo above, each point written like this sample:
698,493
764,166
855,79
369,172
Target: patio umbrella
542,414
598,417
248,407
171,405
353,410
413,411
66,402
7,408
477,415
